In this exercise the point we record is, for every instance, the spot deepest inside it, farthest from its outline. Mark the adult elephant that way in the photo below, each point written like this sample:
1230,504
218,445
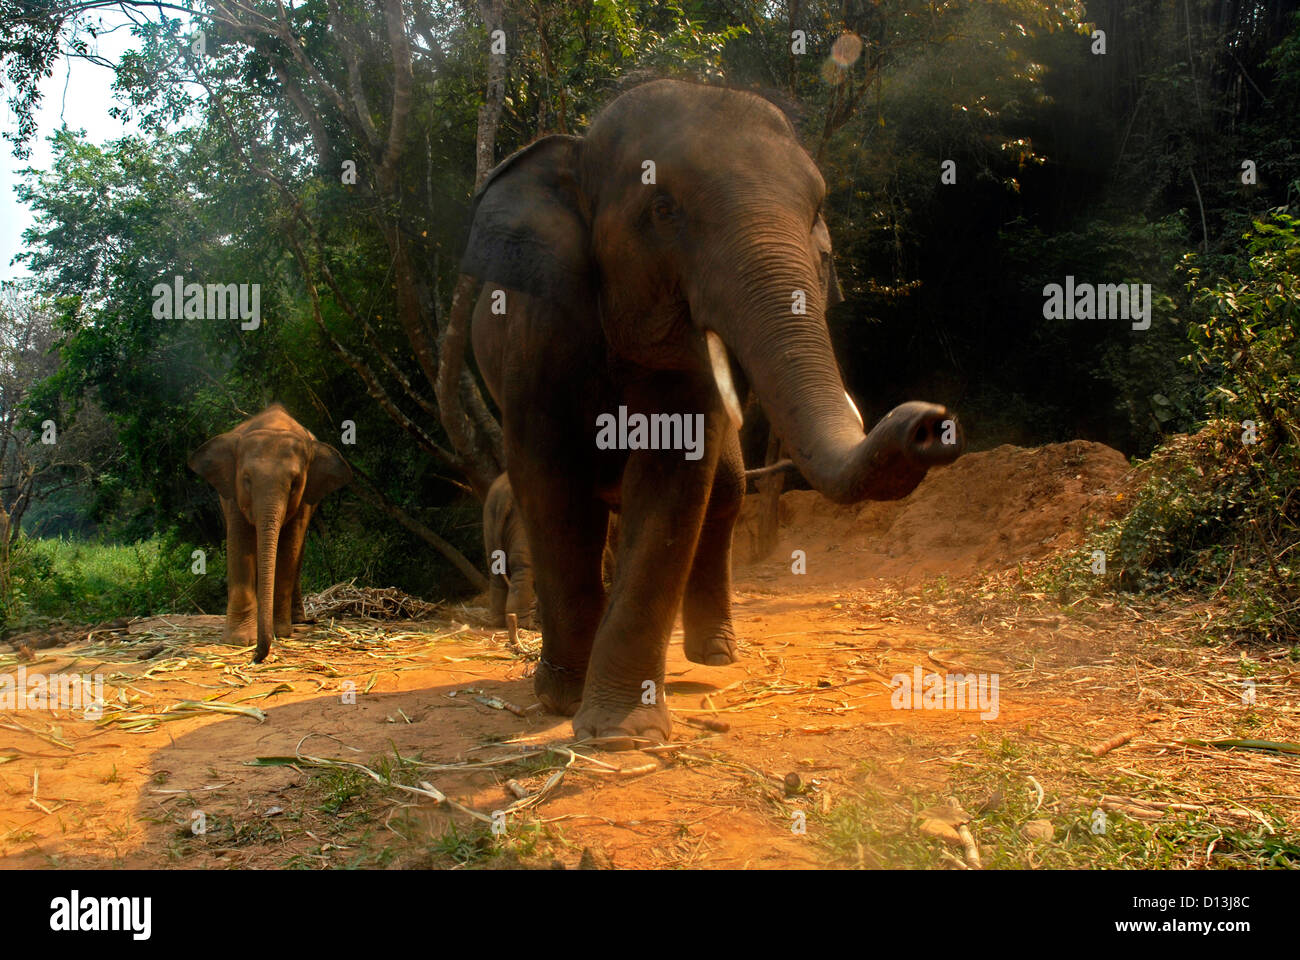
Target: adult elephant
660,264
270,472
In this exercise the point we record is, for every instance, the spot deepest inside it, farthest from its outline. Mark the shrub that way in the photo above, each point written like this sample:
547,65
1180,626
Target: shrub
1219,510
88,582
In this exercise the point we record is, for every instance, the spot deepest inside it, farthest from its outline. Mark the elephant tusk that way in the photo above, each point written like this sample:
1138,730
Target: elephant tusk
854,407
722,377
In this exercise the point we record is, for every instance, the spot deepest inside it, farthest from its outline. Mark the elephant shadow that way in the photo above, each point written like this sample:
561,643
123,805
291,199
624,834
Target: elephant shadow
205,795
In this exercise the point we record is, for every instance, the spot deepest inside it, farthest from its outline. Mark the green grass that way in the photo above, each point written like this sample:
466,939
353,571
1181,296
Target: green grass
351,799
86,582
880,829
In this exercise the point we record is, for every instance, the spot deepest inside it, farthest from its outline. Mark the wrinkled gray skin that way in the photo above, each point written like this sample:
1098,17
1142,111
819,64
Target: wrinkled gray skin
610,286
270,472
503,529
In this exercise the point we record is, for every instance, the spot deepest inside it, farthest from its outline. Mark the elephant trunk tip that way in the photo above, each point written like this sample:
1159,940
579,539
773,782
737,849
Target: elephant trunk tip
892,460
935,438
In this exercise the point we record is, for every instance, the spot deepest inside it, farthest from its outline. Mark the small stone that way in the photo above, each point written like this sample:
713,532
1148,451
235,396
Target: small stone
1038,830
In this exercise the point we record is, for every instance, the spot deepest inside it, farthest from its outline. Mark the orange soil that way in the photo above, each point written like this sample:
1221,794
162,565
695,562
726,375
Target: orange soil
822,645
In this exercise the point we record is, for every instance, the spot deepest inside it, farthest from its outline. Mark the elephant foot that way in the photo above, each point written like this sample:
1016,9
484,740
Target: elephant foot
558,688
623,728
240,634
714,648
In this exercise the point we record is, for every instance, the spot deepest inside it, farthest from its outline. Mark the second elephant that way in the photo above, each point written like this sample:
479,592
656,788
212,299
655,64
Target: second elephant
510,562
270,472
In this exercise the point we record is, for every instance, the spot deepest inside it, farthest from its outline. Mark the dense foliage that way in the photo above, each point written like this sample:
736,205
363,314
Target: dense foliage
1220,509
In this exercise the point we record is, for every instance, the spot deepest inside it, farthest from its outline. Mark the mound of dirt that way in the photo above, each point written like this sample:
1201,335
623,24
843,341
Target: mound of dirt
988,510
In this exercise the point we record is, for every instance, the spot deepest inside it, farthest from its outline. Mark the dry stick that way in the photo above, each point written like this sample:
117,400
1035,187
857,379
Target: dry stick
969,846
1038,789
1176,807
1113,743
425,789
708,723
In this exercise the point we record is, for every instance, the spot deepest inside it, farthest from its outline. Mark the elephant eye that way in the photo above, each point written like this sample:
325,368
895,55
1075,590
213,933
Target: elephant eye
662,208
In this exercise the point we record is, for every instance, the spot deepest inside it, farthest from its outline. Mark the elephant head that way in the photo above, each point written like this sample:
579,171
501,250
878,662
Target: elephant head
691,218
268,469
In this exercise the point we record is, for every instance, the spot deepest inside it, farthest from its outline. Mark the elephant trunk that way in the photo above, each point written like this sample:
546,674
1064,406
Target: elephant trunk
268,541
788,359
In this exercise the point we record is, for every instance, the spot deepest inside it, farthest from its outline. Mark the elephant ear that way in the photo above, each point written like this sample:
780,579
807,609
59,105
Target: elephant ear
215,463
328,472
528,231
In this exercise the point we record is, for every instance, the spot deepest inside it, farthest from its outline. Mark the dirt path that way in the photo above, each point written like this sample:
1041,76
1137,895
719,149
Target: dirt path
805,731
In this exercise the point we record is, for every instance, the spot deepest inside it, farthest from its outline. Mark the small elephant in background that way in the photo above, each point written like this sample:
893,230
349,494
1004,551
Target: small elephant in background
270,472
510,563
510,588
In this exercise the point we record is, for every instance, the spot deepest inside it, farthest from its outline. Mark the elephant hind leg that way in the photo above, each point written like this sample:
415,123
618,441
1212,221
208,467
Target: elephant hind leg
709,637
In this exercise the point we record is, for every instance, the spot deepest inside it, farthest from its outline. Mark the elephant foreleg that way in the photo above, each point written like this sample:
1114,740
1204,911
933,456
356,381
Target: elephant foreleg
521,599
288,568
498,598
299,613
241,576
706,606
664,497
609,558
567,523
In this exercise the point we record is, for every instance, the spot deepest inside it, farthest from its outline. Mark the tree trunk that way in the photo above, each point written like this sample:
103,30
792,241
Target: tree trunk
489,113
5,579
367,491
